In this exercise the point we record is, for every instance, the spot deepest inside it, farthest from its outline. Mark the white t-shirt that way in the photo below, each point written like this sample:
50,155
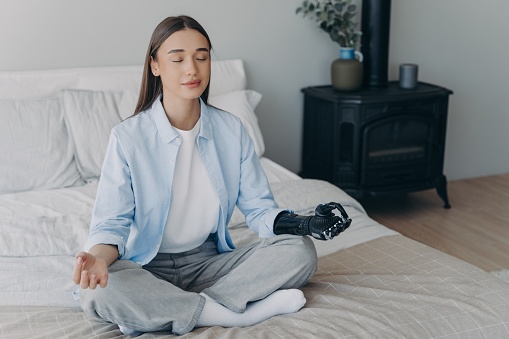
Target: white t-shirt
194,207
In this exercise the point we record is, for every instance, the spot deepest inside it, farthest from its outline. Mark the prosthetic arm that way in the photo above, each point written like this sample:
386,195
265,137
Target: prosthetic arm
324,225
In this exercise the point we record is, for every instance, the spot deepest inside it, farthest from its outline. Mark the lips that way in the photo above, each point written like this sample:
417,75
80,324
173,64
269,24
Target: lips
192,83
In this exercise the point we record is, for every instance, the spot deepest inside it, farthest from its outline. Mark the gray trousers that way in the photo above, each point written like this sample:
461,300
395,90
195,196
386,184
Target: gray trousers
163,295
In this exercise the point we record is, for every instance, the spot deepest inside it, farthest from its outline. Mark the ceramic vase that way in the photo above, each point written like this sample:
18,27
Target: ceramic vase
346,72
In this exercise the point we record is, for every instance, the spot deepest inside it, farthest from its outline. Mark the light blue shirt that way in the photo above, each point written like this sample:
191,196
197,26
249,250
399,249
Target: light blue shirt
134,193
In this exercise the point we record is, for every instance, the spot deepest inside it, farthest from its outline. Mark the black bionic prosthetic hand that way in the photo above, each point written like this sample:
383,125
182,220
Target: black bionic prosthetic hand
324,225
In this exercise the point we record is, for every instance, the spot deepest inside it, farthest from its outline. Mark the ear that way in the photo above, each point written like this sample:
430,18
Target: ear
154,67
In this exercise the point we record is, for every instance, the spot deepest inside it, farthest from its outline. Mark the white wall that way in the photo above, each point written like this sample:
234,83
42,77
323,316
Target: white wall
457,43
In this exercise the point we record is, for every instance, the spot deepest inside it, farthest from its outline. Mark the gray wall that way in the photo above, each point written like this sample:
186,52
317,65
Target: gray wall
463,45
460,44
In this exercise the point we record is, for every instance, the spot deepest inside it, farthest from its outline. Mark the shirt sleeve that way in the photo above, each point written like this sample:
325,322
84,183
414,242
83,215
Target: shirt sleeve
255,198
114,206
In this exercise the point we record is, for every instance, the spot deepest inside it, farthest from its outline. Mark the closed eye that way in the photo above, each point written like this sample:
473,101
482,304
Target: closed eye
202,56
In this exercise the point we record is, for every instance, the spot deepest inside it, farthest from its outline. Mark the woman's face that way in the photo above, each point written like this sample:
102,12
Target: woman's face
183,63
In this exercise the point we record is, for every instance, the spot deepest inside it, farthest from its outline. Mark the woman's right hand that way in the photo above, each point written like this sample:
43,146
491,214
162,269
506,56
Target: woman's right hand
90,271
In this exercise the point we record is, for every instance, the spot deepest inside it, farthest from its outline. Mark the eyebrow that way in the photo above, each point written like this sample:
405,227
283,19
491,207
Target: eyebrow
202,49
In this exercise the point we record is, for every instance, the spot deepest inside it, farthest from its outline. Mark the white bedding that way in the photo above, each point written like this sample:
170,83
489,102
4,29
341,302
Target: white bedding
53,225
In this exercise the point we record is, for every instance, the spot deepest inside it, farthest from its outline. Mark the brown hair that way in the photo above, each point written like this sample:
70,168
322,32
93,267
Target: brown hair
151,86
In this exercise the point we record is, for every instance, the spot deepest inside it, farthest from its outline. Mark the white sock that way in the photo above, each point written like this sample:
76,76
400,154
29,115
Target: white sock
279,302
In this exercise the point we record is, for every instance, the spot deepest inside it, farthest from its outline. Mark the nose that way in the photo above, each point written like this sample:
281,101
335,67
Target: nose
191,67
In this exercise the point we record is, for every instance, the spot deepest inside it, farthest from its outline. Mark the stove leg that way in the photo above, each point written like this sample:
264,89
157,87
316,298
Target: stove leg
441,187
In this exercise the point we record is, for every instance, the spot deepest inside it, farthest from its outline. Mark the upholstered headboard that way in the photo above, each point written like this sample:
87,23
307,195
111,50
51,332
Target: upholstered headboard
56,123
227,76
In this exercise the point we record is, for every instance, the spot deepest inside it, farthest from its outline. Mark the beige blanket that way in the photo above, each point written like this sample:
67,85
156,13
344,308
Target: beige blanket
390,287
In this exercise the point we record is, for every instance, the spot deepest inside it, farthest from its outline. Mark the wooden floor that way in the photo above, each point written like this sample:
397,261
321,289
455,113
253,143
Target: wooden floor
475,229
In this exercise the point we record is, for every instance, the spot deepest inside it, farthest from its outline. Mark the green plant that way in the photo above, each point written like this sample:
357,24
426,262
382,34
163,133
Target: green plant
335,17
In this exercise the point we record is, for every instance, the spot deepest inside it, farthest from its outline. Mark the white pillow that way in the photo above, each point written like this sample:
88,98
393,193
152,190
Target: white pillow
35,151
240,104
90,116
128,103
227,76
254,98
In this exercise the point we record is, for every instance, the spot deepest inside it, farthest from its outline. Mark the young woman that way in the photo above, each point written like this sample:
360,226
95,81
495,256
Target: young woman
173,173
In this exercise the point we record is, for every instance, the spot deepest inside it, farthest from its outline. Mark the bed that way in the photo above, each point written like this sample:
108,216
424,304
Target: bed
371,281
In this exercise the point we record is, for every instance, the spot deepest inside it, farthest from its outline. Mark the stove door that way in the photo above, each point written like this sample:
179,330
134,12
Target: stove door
397,150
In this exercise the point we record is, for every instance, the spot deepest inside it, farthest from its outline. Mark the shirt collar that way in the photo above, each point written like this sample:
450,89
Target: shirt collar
206,125
168,133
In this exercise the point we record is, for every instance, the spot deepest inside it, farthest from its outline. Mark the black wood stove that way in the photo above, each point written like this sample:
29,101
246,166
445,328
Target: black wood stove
376,141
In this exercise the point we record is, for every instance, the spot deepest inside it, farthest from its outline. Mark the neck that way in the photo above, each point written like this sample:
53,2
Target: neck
182,114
